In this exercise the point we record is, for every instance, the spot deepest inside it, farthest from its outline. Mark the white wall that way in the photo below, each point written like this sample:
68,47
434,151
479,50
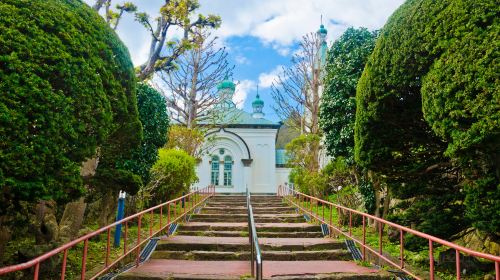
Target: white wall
282,174
261,143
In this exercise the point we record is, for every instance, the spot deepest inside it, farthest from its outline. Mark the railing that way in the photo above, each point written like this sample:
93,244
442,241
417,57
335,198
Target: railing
192,199
300,200
256,256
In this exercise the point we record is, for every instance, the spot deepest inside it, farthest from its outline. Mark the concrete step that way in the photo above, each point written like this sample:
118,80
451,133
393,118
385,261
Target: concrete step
244,204
338,254
239,244
259,218
161,269
243,210
261,227
314,234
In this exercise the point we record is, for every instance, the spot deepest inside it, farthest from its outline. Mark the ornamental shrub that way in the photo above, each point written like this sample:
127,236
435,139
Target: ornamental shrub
428,110
172,174
66,84
155,123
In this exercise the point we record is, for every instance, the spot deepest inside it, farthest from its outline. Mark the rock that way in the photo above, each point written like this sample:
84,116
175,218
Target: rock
478,241
71,220
489,277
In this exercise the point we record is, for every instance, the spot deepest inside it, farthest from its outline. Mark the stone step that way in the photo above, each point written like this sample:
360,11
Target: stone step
261,227
304,234
244,204
243,198
338,254
161,269
243,210
259,218
239,244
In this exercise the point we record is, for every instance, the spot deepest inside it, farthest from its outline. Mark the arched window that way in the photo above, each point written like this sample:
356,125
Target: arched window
214,178
228,171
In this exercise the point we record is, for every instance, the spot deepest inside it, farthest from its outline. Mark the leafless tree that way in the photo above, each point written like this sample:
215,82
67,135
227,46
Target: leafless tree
296,91
190,89
174,15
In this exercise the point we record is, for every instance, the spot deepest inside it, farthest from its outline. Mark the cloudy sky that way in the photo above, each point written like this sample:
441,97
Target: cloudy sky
261,35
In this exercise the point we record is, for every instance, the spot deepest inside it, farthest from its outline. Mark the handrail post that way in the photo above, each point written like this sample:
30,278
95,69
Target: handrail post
255,255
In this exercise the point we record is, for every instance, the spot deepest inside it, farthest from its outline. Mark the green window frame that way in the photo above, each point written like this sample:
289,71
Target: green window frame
228,171
214,172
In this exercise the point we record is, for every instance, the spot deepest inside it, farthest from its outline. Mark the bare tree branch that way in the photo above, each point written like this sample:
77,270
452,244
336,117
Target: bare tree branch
296,91
190,90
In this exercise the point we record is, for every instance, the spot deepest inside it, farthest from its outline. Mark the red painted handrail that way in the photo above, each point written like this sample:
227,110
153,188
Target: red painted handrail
287,193
195,197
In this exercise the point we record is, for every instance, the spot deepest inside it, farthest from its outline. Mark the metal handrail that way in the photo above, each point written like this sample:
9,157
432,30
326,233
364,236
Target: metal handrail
300,200
196,198
256,256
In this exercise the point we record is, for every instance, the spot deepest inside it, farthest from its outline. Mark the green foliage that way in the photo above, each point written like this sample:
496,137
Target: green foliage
186,139
345,62
67,84
430,89
173,173
155,122
303,152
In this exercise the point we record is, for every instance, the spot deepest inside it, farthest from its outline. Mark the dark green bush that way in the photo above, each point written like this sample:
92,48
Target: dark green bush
155,122
66,84
345,62
428,110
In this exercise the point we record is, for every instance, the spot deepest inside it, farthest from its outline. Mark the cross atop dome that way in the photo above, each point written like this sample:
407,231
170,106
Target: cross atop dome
257,106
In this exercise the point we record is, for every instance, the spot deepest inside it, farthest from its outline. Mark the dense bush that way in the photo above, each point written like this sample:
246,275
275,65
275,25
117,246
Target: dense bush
345,62
155,122
67,85
172,174
428,110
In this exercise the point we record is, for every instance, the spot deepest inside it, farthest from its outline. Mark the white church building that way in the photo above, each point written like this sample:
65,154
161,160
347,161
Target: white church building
240,149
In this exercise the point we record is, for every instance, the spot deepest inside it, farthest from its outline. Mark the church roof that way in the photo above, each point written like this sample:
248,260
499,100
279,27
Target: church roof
234,117
240,117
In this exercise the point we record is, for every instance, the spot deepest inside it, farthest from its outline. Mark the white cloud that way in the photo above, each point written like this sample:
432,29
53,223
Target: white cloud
240,59
267,79
276,22
284,22
241,94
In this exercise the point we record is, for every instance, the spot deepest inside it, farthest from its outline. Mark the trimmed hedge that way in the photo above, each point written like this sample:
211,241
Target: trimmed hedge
66,84
428,102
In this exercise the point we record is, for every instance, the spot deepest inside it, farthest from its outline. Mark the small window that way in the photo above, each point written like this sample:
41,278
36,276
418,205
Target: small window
215,171
228,171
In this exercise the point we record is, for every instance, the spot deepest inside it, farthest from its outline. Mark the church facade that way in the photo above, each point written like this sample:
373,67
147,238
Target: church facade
240,149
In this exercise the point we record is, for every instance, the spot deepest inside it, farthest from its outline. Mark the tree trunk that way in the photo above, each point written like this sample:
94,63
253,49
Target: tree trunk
5,236
72,220
107,209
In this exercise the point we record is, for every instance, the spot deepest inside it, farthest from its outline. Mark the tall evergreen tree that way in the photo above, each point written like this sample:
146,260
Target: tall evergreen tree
345,62
428,111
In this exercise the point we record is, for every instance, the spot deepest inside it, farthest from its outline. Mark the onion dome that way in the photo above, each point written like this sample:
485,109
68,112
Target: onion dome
226,84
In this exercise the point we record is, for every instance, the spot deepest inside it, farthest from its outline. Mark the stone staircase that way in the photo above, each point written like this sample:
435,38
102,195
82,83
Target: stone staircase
214,245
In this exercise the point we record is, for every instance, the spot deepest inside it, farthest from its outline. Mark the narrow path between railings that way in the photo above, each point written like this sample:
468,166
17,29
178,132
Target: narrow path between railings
214,244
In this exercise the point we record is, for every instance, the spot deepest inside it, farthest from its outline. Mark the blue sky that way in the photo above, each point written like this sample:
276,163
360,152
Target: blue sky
261,35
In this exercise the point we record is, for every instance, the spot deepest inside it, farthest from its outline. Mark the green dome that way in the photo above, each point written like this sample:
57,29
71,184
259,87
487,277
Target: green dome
257,101
322,29
226,83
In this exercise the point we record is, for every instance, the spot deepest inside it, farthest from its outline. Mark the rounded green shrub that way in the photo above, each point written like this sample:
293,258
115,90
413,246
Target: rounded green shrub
155,123
428,103
172,174
66,84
